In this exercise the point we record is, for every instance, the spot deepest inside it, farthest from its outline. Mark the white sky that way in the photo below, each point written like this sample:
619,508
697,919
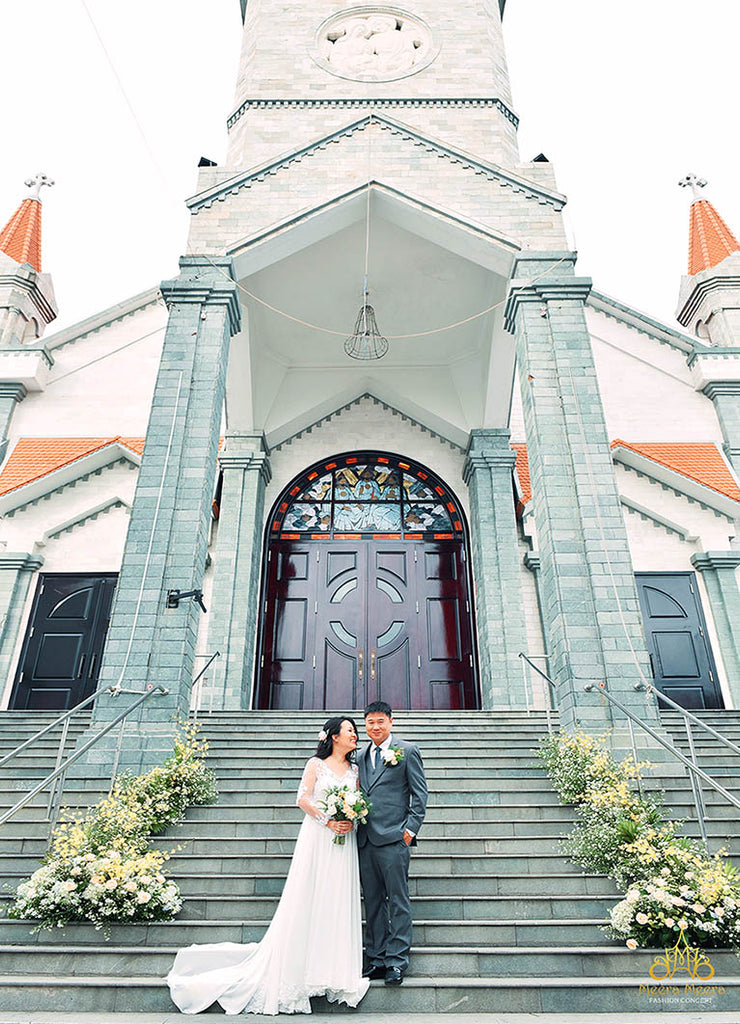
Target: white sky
623,96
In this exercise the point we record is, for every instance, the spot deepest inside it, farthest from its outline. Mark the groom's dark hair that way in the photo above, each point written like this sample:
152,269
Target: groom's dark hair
379,707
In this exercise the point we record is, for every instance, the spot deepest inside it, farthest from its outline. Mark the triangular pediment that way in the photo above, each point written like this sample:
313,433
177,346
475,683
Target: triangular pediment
408,136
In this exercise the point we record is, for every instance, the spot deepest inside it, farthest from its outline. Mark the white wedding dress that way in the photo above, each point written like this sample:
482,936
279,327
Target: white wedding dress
314,943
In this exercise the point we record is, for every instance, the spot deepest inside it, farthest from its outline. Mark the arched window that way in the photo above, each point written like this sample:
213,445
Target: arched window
367,495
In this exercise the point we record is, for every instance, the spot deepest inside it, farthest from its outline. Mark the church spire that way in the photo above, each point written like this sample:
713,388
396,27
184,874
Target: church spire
709,298
21,237
27,302
710,239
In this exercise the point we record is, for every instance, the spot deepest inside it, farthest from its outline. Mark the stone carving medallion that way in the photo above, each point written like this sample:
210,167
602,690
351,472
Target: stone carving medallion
373,44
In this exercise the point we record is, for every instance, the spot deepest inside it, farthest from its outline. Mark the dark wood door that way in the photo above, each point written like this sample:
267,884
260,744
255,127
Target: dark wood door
349,622
677,643
60,661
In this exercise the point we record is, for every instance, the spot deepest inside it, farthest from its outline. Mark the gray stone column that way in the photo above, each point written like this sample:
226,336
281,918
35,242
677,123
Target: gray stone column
17,571
11,394
149,643
589,598
236,568
719,571
726,397
497,568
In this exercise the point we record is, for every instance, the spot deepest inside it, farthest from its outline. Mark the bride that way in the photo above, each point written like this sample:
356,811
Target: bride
314,943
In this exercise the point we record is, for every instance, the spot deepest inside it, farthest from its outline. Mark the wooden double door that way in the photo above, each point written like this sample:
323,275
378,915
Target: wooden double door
346,623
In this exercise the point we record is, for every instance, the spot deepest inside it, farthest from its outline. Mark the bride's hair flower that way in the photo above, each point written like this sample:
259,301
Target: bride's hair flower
322,736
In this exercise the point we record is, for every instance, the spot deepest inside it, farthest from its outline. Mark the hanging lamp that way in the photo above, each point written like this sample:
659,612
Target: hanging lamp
366,341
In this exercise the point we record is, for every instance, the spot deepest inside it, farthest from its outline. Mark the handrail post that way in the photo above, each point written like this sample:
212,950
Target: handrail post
216,654
633,744
55,793
696,785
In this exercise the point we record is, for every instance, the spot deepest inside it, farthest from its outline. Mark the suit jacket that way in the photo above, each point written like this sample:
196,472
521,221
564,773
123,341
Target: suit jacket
398,794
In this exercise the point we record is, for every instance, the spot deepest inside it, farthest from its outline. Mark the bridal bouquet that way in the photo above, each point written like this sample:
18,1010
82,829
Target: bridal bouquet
343,803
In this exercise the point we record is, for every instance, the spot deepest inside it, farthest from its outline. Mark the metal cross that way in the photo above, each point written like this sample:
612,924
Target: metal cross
37,183
691,181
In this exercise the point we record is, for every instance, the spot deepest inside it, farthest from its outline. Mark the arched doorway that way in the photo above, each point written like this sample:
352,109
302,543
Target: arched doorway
366,591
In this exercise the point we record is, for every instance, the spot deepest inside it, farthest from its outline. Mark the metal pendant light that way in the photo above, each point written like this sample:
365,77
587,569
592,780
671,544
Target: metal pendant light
366,341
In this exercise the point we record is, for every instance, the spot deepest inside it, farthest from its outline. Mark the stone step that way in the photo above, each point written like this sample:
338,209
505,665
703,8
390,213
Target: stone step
423,864
517,932
426,961
436,907
238,827
533,994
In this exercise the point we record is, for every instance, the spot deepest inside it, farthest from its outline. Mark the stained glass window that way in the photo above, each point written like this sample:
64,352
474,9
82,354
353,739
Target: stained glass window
367,495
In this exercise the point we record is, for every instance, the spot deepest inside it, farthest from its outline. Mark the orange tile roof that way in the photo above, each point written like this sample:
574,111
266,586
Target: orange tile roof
710,240
697,460
522,471
34,457
21,236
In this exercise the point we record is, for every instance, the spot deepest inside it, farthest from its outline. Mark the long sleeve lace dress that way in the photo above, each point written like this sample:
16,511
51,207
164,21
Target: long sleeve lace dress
313,945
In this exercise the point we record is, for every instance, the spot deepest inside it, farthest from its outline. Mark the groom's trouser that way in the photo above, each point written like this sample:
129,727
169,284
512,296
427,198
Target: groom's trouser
384,871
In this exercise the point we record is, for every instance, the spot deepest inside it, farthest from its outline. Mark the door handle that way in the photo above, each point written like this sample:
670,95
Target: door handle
372,663
652,665
359,664
82,666
92,666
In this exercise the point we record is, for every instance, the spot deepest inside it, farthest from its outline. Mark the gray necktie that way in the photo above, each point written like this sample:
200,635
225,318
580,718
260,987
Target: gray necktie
376,758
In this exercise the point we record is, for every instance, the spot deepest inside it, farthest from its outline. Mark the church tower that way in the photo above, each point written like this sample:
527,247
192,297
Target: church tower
367,543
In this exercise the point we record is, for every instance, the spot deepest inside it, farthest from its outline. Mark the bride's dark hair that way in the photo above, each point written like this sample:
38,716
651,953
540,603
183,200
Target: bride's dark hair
332,727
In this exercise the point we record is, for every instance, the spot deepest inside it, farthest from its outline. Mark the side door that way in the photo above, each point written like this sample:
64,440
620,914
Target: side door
60,661
681,659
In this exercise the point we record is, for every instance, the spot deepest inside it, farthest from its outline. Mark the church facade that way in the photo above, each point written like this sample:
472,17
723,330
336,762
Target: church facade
379,427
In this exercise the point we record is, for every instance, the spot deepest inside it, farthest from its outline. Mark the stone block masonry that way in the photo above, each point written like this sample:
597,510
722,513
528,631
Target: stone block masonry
148,643
589,601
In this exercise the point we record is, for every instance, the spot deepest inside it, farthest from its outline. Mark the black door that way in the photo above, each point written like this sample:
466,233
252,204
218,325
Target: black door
677,642
61,655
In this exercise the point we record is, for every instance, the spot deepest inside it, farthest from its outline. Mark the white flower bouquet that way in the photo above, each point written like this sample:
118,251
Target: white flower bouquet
344,803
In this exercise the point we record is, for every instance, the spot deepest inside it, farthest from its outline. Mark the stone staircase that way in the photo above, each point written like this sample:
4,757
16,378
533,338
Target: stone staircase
502,922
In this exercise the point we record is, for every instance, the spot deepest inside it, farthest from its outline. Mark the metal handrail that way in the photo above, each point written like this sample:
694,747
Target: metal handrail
57,721
696,774
61,770
689,717
549,702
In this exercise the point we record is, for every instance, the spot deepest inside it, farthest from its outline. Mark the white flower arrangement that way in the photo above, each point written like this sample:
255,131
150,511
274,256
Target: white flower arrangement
675,889
100,868
393,756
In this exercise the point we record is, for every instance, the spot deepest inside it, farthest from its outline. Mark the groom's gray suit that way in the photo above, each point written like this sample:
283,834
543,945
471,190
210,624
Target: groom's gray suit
398,794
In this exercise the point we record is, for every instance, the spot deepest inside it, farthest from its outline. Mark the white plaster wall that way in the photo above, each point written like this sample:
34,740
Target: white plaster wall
655,550
646,386
101,385
93,546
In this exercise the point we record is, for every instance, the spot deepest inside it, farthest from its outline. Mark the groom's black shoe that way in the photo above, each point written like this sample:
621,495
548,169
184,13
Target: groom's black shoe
393,976
374,972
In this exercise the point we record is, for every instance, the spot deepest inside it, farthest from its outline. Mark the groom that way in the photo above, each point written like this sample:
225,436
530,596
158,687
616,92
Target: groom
392,775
